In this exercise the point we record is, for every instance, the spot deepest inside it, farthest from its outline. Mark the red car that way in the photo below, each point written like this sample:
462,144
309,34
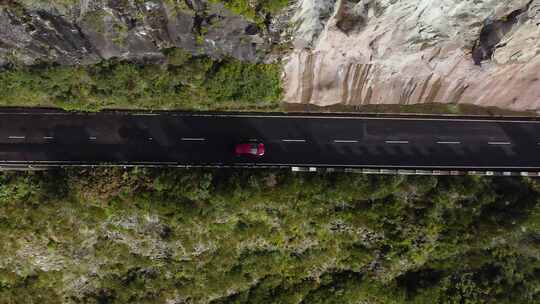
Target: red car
250,149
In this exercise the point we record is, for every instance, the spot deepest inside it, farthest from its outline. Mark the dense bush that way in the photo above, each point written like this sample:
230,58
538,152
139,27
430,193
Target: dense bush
254,10
186,83
203,236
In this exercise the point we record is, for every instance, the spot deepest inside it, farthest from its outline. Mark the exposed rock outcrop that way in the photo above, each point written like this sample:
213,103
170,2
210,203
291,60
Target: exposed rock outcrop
345,52
407,52
89,31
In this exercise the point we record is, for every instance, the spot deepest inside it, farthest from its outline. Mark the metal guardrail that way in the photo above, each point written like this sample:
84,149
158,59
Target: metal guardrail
417,172
382,171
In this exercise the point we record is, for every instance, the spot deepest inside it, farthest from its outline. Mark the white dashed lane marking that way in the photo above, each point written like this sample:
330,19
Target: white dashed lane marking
193,139
449,142
350,141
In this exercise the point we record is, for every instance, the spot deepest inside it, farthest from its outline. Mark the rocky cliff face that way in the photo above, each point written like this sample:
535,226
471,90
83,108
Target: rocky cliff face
345,52
358,52
70,32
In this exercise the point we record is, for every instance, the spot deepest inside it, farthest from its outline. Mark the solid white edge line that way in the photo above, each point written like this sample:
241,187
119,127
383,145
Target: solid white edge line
290,165
287,117
87,163
364,118
396,166
145,114
164,163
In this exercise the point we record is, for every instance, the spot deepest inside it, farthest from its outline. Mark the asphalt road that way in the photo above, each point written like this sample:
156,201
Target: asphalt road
59,138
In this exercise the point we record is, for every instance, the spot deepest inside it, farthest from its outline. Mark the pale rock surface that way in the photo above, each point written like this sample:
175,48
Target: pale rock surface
483,53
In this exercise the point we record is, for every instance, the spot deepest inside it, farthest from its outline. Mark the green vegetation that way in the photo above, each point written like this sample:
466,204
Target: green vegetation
204,236
256,10
187,83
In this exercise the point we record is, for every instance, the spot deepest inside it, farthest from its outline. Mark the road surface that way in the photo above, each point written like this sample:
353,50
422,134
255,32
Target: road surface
60,138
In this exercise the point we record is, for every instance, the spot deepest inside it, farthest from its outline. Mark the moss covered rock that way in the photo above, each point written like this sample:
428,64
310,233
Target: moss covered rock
83,32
